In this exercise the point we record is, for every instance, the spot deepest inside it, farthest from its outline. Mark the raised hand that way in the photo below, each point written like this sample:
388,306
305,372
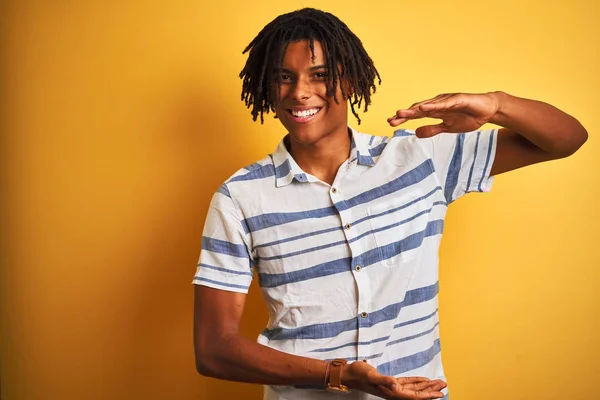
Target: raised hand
366,378
459,112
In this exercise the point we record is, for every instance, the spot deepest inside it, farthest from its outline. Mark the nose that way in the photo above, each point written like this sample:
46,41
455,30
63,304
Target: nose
302,89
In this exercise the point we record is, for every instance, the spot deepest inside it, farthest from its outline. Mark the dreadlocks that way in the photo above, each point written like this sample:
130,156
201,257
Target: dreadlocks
345,56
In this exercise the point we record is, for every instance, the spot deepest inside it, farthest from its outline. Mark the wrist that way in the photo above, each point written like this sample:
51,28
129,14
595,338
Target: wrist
348,377
502,104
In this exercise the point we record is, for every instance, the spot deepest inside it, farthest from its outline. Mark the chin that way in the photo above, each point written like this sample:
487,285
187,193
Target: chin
308,134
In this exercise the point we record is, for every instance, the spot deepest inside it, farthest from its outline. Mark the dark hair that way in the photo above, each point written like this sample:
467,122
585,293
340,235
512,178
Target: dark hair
342,49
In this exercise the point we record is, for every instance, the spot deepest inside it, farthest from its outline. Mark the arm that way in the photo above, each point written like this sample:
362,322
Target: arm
221,352
532,131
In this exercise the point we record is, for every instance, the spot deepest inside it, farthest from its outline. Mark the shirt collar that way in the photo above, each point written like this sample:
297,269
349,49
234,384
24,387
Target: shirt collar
286,168
359,148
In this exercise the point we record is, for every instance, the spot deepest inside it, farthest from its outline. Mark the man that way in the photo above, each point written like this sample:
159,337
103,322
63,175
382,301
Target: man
343,228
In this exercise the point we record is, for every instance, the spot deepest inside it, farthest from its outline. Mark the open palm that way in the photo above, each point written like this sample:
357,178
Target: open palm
416,388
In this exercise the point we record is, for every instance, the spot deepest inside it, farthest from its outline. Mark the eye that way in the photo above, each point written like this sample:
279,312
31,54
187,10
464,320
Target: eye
286,78
320,75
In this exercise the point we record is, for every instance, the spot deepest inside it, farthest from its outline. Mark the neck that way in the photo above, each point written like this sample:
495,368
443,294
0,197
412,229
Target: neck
323,158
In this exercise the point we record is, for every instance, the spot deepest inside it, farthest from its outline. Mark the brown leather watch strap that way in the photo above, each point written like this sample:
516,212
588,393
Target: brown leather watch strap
335,372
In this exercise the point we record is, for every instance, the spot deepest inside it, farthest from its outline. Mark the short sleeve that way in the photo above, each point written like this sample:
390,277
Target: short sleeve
463,161
225,261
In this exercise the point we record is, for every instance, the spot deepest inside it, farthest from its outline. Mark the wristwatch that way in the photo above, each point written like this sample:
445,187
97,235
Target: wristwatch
334,383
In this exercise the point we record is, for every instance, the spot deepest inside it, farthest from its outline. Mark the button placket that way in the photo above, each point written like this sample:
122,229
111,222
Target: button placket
363,351
360,277
363,303
363,285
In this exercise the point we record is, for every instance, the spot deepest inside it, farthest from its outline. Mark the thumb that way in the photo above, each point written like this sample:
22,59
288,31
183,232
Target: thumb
430,130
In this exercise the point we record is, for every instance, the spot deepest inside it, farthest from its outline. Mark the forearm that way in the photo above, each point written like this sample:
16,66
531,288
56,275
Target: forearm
547,127
239,359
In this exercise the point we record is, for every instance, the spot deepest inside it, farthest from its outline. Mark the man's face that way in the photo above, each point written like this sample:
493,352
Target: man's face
304,107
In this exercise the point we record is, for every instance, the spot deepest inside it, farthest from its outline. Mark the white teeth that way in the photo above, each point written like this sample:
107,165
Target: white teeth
305,113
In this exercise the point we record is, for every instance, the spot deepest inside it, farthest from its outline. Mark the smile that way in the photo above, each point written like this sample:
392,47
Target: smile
304,115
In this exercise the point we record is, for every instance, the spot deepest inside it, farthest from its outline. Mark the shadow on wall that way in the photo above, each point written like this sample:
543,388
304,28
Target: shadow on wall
202,141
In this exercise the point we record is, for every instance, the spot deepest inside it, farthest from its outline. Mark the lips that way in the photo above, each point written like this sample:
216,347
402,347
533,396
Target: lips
304,114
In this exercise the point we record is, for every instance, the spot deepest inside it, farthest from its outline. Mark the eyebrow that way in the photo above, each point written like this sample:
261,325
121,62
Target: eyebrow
322,66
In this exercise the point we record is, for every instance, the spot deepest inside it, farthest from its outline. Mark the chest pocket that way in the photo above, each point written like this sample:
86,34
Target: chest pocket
398,225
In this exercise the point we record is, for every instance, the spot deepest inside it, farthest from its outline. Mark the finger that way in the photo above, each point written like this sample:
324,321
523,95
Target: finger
412,379
436,385
414,383
425,395
417,111
452,103
430,394
446,97
420,395
393,121
430,110
430,130
406,113
418,103
432,100
415,106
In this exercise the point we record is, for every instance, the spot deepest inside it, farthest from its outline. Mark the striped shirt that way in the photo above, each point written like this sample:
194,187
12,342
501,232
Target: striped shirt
348,270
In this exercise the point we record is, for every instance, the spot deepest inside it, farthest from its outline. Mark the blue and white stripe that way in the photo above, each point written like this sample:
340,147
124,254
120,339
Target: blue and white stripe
350,269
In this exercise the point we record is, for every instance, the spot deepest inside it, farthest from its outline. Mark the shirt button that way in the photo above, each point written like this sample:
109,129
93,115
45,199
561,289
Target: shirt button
333,190
364,314
357,268
347,226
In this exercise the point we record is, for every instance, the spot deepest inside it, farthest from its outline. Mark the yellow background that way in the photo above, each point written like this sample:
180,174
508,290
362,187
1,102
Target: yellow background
120,119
